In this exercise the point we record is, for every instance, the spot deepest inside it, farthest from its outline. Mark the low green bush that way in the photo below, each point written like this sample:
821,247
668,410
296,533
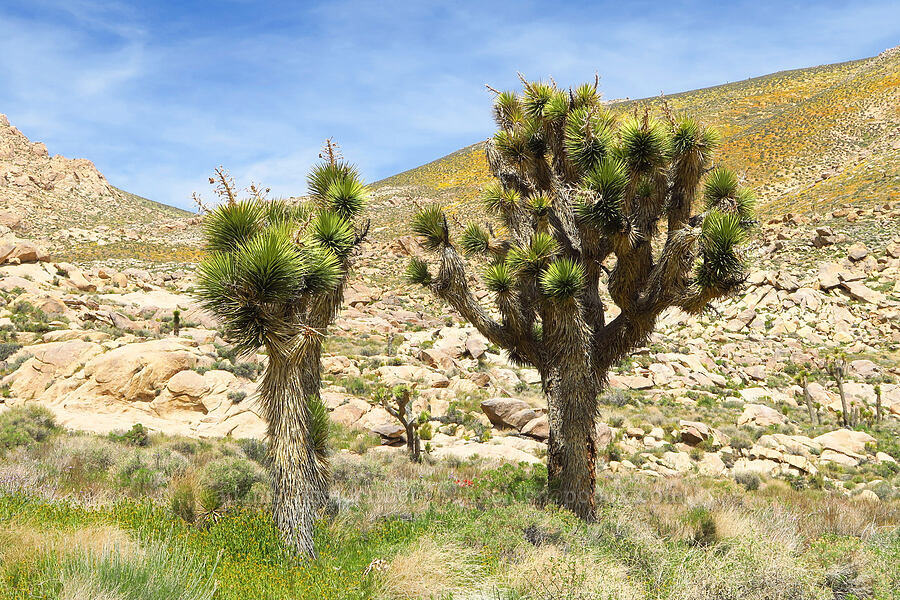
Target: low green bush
136,436
25,425
183,503
230,478
7,349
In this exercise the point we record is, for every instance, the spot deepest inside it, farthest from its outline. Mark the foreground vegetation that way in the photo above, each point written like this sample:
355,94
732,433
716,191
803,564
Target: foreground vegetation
194,524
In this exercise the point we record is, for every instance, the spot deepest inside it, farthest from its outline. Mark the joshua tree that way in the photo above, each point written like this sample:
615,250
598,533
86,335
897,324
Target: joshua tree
579,194
176,322
275,277
803,379
398,403
837,368
878,402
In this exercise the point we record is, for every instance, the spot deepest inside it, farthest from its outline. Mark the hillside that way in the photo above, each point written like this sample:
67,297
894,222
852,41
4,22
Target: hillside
807,140
51,194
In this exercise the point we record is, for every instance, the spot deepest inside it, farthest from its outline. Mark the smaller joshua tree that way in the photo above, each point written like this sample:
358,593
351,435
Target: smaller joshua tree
398,403
274,276
837,367
579,195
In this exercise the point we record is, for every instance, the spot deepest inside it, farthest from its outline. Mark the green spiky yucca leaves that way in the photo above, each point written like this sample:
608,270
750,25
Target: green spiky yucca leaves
720,263
417,272
563,279
499,278
499,201
602,207
645,147
431,225
588,136
475,240
723,192
528,262
265,255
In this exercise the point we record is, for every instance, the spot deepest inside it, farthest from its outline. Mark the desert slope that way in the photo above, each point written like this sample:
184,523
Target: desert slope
49,193
807,140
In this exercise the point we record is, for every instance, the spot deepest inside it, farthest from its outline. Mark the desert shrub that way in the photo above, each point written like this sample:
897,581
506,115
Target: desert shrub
612,452
138,477
185,447
615,397
230,478
7,349
85,460
183,503
748,479
512,483
26,317
703,525
169,462
255,450
25,425
357,386
246,370
236,397
741,441
136,436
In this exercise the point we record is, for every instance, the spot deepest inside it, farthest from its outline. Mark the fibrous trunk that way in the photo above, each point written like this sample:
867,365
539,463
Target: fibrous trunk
298,482
572,447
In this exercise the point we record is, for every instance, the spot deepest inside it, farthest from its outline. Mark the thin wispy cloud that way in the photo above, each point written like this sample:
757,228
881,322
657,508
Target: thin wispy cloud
157,94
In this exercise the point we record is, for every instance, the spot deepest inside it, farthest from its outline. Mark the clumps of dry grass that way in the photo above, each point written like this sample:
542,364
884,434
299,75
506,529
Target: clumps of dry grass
432,568
551,573
746,569
21,542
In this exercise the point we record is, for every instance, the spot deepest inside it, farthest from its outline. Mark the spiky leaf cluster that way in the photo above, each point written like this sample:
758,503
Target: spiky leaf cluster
267,258
431,225
720,264
417,272
475,240
563,279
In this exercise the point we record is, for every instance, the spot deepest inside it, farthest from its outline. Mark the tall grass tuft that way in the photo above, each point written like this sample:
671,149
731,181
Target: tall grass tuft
156,572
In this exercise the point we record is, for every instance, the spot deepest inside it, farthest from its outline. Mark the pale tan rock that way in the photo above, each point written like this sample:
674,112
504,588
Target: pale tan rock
845,441
760,415
538,428
349,413
48,363
136,371
695,432
500,412
857,252
711,465
867,496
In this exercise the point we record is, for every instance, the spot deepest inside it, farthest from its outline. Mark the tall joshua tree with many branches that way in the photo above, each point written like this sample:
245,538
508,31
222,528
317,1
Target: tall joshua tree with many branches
275,276
580,192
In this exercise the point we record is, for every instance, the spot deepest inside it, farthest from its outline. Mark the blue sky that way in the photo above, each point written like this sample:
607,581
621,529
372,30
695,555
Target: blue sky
159,93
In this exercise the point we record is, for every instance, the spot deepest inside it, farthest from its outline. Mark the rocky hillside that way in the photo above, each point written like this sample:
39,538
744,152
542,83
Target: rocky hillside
68,203
807,141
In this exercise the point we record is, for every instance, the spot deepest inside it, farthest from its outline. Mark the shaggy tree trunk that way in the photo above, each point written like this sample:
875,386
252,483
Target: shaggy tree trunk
878,404
413,443
845,413
297,480
813,413
572,447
